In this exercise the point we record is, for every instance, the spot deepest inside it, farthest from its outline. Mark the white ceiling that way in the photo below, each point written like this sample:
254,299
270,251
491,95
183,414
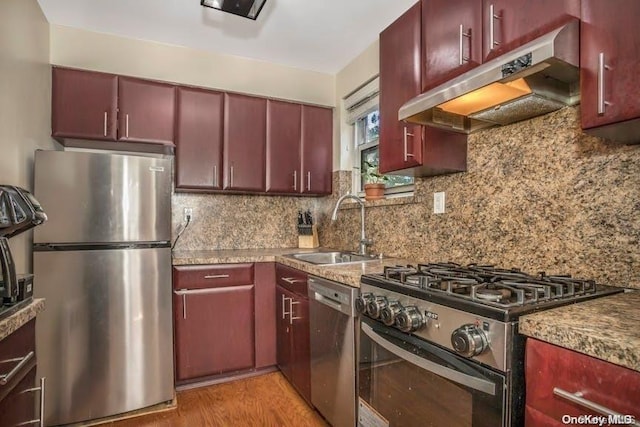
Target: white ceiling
320,35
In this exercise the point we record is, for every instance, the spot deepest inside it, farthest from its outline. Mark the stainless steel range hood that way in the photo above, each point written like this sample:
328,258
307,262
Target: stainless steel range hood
540,77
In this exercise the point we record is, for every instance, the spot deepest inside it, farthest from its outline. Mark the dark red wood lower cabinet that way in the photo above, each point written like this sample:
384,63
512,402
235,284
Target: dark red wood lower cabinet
19,405
265,320
551,371
214,331
292,329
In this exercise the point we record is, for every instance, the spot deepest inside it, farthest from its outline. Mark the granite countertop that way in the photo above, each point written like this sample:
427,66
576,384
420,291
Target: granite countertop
13,322
346,273
605,328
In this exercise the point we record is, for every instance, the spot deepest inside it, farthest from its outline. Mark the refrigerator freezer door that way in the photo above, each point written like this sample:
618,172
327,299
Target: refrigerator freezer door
101,197
105,340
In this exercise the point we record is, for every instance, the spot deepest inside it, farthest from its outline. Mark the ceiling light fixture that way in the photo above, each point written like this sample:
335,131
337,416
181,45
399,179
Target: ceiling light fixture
245,8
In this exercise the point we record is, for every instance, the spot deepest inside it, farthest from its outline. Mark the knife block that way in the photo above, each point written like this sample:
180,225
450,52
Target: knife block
309,239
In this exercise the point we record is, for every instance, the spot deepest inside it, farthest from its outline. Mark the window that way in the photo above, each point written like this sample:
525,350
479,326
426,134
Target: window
366,137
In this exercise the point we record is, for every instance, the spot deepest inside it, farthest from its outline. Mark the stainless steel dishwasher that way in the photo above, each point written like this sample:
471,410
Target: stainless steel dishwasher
332,319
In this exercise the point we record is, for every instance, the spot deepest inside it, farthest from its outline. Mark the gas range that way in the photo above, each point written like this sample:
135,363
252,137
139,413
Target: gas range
471,310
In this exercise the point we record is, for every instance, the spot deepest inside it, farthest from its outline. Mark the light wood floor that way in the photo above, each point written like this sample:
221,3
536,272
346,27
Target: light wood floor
267,400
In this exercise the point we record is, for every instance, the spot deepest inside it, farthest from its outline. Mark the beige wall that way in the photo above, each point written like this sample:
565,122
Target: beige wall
25,91
362,69
103,52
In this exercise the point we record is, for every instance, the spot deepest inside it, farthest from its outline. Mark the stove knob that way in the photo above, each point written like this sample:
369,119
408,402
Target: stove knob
375,306
390,312
410,319
469,340
362,301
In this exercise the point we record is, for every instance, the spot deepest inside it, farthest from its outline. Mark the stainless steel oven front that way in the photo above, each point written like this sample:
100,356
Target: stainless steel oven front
405,381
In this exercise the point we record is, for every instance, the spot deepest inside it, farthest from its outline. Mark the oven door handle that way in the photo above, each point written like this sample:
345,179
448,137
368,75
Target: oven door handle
467,380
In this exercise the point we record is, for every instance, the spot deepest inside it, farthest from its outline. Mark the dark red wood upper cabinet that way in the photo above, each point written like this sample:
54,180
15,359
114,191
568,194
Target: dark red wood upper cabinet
452,39
284,133
199,127
146,111
84,104
400,80
548,367
214,331
610,29
245,122
317,150
516,22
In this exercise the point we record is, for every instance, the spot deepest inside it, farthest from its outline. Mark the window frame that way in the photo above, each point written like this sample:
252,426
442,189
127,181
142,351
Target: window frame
406,190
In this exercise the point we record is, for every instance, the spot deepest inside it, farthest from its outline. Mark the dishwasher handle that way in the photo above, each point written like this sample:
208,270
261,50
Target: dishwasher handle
332,294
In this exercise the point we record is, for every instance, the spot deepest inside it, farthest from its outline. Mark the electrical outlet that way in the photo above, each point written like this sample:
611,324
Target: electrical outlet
438,202
188,214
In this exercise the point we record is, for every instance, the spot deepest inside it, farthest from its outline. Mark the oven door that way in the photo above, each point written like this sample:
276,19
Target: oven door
404,381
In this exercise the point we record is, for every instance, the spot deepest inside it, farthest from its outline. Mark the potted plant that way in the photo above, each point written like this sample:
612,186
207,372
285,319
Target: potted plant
374,181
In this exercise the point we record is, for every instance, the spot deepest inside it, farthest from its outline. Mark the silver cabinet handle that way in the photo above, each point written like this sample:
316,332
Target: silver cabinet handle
22,361
308,181
216,276
41,389
126,125
462,59
291,316
492,27
231,176
602,104
404,138
292,280
295,180
184,306
215,175
284,304
105,123
579,400
445,372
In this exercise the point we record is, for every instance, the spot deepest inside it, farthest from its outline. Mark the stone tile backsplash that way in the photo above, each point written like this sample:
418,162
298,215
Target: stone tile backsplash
539,195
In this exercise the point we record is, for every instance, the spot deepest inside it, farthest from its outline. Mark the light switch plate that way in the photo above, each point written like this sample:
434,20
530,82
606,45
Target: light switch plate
438,202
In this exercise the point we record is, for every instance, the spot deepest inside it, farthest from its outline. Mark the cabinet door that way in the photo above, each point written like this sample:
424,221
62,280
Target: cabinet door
516,22
283,332
549,369
284,133
245,120
19,406
400,72
146,111
609,28
317,149
265,329
199,139
452,39
84,104
214,331
300,348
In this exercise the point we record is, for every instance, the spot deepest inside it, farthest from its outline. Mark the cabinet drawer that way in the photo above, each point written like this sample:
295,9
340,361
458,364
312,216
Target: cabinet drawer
292,279
212,276
549,367
17,348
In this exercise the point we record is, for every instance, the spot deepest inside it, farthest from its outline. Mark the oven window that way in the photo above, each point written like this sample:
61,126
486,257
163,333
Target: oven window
401,394
410,396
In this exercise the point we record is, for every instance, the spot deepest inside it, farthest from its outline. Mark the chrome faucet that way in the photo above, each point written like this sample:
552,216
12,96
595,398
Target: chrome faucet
364,242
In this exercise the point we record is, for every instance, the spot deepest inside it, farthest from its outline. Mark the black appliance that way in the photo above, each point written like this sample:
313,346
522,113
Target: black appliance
439,343
8,278
19,212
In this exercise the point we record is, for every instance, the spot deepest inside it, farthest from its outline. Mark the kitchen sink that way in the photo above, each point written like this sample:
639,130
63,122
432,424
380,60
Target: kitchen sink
326,258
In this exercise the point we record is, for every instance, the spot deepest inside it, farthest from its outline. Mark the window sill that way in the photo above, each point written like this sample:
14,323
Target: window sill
387,201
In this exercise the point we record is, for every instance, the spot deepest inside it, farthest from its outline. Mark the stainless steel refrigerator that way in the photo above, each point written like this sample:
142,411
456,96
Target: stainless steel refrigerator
103,263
